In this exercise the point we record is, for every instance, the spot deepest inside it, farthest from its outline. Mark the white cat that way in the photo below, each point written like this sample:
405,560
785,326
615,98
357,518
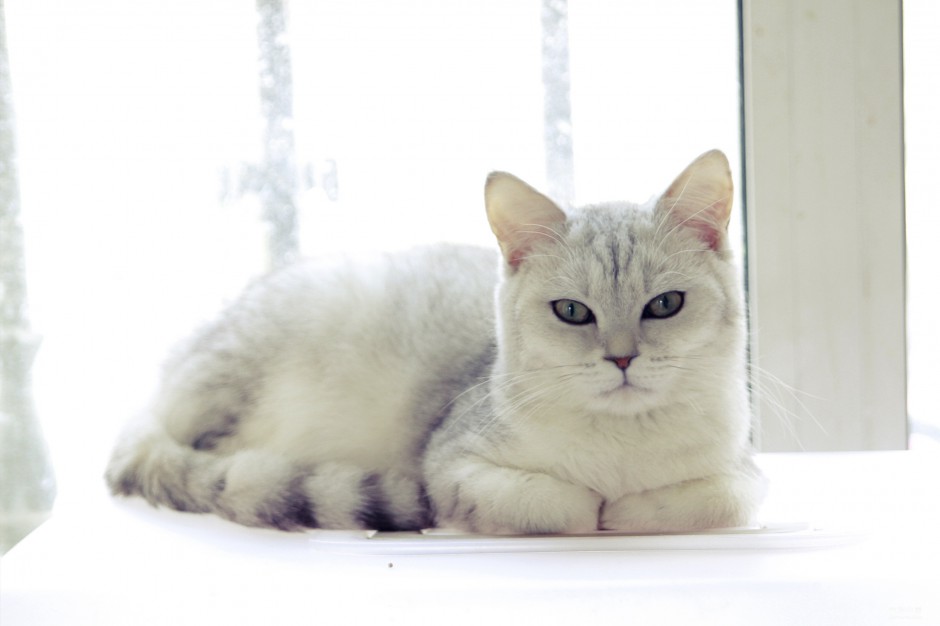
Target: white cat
603,389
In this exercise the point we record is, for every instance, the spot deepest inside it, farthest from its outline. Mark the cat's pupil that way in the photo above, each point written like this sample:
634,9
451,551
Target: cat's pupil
572,312
664,305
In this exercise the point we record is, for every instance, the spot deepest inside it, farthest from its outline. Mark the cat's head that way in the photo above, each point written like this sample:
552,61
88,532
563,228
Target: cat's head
619,308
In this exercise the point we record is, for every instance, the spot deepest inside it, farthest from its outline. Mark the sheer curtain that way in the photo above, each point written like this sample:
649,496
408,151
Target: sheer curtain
169,150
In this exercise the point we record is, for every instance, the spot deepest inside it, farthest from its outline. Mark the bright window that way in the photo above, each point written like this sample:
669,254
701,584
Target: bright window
141,131
140,138
921,164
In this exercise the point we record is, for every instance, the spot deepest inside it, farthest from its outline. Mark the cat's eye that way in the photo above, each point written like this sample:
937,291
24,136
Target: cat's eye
572,312
664,305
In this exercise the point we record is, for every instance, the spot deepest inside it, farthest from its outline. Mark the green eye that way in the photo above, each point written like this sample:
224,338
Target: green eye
664,305
572,312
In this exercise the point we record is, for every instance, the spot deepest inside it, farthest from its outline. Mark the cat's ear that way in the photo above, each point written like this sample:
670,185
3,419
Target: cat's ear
700,198
519,215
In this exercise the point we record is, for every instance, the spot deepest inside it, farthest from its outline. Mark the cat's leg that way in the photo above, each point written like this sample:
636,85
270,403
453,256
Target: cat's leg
473,494
719,501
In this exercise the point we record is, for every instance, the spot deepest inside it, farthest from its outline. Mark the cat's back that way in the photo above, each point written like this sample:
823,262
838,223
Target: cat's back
347,352
412,297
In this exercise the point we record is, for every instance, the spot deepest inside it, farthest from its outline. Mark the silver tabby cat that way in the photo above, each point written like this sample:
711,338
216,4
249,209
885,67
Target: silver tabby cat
590,377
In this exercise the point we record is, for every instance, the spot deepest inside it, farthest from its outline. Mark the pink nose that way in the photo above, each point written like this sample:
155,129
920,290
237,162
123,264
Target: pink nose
620,361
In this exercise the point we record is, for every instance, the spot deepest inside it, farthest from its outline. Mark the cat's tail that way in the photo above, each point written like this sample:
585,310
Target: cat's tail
256,488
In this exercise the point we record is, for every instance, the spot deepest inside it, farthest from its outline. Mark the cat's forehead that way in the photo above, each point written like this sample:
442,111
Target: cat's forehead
627,228
622,248
609,220
610,233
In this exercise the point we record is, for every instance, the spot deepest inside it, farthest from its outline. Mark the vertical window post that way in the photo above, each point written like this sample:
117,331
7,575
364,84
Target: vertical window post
277,178
27,486
825,200
559,152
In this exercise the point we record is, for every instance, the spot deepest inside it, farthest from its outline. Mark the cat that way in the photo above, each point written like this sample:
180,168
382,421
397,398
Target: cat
589,375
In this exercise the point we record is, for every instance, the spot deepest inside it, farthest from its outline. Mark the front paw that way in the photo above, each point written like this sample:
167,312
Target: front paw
539,504
714,502
507,501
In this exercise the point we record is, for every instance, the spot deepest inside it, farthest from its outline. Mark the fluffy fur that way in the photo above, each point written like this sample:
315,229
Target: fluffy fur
604,388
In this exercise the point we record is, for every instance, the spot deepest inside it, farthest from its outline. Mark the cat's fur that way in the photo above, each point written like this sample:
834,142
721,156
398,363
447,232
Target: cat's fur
393,394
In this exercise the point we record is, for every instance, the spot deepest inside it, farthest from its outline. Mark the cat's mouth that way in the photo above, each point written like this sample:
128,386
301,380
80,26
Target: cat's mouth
624,389
623,399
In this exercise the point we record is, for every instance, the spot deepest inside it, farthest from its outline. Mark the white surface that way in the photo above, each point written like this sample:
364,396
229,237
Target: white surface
877,563
771,536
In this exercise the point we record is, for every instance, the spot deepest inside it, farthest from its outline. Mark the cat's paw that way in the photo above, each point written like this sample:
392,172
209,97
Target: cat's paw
508,501
715,502
539,504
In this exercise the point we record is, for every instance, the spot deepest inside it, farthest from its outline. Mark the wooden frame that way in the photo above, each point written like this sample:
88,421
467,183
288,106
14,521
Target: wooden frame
825,195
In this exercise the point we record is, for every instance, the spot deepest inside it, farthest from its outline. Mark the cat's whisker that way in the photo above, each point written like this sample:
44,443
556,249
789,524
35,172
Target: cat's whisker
544,256
682,275
685,251
539,399
532,372
694,405
566,284
546,231
780,396
676,226
675,203
543,228
708,207
785,415
513,380
497,383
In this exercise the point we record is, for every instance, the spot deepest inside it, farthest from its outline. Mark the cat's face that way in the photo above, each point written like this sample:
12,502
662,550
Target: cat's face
620,308
622,313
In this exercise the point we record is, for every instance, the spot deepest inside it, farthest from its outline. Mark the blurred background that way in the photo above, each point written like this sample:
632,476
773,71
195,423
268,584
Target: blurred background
166,151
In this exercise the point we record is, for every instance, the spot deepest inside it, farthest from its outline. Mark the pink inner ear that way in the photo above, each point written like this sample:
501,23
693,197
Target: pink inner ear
517,246
707,232
709,222
518,215
700,198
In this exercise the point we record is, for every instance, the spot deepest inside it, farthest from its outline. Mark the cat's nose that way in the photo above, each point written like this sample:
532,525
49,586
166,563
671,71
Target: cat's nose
620,361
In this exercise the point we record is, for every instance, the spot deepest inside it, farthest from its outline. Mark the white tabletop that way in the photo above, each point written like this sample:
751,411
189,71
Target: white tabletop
849,538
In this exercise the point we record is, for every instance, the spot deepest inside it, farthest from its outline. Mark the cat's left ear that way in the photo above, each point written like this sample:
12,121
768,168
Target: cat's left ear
700,198
519,215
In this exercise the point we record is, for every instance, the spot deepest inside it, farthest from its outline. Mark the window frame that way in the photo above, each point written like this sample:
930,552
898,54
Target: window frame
824,188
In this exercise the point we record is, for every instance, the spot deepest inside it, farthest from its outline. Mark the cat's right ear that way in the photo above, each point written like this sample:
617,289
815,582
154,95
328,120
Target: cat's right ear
519,216
700,198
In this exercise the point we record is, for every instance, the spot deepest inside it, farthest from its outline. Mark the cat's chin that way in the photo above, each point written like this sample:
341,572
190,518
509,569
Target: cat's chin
624,400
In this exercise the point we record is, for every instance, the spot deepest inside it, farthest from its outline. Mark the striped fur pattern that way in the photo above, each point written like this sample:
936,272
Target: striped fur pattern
589,377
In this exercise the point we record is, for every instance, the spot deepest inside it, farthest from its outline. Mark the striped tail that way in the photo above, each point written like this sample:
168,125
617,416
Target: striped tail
257,488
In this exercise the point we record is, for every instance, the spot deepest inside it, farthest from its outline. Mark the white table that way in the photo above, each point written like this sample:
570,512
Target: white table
856,541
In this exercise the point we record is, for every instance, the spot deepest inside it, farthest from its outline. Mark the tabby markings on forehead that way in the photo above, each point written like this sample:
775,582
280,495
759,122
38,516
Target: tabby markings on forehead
615,254
617,259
